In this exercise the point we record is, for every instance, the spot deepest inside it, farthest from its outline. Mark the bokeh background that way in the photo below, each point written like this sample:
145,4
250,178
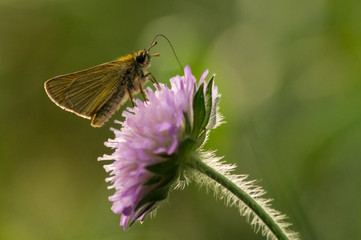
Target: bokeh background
290,77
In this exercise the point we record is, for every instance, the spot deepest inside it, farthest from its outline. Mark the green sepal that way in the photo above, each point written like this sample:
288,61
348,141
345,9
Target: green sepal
200,139
156,195
153,180
188,126
144,209
163,168
182,177
185,147
213,117
141,212
199,111
208,102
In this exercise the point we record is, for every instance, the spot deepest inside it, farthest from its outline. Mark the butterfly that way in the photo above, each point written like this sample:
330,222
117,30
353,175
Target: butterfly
96,93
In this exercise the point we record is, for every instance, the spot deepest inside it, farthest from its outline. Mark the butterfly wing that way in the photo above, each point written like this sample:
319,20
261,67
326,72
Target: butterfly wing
85,92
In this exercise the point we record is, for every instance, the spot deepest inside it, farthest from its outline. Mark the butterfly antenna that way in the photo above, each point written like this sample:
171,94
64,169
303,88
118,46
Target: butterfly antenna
170,44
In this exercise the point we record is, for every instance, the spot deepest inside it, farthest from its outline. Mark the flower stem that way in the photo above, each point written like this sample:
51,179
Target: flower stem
242,195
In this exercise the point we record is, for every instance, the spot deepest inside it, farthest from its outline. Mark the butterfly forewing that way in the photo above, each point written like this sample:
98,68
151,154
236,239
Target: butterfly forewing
85,92
88,93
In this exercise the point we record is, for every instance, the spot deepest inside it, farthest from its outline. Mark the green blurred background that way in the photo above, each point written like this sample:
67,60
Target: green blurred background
290,77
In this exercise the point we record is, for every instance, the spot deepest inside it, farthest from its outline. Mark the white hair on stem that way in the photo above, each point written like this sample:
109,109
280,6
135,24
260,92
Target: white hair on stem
247,186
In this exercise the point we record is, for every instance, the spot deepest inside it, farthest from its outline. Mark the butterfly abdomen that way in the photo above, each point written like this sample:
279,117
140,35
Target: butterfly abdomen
108,109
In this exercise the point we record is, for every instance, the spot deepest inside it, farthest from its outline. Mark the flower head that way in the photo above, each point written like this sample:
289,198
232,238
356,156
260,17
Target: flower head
151,147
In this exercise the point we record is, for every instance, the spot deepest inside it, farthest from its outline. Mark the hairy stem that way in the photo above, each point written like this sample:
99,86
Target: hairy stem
243,196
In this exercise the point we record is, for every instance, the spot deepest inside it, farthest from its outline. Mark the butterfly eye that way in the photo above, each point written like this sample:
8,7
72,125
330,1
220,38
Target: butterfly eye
140,58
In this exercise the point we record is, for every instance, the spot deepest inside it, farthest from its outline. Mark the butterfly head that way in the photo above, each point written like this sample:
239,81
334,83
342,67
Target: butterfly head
143,57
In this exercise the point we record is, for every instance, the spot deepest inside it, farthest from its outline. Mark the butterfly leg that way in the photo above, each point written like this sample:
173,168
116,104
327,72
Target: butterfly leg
141,90
130,96
152,78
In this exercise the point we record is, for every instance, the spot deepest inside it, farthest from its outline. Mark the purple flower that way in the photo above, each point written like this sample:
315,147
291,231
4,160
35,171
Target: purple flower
148,156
